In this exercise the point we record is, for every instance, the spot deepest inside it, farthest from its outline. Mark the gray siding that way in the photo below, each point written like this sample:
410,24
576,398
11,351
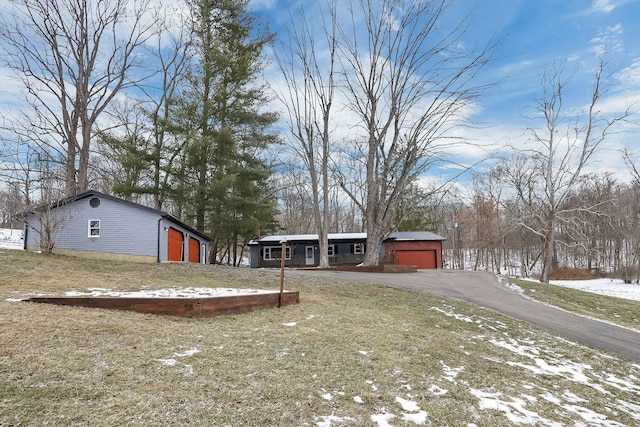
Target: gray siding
124,229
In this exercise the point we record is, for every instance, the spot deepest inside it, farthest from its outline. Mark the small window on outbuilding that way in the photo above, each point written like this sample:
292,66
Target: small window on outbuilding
94,228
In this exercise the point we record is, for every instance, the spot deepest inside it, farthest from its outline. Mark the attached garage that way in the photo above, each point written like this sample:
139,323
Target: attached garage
420,248
426,259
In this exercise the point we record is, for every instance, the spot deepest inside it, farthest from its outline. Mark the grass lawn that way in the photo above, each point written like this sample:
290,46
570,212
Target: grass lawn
349,354
615,310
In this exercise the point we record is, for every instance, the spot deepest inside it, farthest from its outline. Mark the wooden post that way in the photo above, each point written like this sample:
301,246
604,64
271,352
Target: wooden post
282,259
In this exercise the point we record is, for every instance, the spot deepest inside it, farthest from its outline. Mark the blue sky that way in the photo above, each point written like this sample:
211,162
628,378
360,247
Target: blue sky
534,34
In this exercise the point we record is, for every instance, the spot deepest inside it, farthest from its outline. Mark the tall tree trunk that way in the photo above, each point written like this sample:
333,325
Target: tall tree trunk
549,244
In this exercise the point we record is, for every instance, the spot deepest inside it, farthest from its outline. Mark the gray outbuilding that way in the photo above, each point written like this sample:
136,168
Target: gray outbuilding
97,225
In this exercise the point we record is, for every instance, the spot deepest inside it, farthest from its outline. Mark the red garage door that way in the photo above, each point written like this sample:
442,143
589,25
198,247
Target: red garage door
194,250
174,251
421,259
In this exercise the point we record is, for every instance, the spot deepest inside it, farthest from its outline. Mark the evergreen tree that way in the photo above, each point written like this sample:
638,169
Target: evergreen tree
221,117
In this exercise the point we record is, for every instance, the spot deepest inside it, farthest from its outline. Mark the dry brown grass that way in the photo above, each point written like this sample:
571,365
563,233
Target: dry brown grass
344,344
565,273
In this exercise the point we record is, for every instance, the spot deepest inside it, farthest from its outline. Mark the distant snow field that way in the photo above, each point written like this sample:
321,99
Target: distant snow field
609,287
10,239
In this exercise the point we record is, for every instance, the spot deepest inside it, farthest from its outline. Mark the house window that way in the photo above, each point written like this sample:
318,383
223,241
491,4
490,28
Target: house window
275,253
94,228
358,248
332,250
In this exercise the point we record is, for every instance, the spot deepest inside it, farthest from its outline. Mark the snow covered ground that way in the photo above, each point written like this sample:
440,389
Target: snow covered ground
10,239
609,287
520,404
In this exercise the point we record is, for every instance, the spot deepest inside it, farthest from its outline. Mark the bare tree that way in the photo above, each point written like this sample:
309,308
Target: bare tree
295,204
633,169
408,84
559,152
309,98
11,202
72,58
173,52
44,219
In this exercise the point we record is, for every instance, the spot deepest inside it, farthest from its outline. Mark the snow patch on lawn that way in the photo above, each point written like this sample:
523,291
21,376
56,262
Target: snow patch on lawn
174,362
609,287
168,293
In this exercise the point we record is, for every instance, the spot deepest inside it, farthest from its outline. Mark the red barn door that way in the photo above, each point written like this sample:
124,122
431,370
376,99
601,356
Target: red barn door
194,250
175,249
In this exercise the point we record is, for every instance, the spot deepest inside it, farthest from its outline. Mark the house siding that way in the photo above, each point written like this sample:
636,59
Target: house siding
127,230
343,254
428,243
124,229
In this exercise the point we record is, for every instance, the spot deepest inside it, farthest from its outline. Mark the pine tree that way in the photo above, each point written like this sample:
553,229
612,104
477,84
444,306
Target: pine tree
223,122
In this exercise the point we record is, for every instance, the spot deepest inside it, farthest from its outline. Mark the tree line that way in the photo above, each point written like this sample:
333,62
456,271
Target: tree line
168,106
162,105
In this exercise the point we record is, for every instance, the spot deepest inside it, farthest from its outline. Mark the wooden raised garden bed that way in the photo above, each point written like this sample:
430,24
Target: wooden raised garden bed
184,307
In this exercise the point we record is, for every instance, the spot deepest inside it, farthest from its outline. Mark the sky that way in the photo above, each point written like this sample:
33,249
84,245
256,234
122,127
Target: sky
532,35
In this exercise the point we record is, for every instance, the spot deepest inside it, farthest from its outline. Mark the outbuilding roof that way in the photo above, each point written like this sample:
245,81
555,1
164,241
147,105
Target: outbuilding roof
415,235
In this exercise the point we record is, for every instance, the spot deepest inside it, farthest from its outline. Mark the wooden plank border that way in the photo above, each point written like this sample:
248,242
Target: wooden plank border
183,307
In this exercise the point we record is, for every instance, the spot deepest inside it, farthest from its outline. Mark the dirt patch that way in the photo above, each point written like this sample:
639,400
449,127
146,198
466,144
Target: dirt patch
574,274
380,268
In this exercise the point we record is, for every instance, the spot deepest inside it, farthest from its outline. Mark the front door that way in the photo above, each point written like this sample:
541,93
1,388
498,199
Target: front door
310,258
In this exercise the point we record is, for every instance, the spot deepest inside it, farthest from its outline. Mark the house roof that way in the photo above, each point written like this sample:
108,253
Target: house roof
308,237
415,235
397,236
93,193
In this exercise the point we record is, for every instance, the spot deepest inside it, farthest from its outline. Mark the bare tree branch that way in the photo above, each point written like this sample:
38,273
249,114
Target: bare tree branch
72,59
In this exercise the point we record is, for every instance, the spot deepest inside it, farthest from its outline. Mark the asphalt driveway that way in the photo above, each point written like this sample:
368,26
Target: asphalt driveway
484,290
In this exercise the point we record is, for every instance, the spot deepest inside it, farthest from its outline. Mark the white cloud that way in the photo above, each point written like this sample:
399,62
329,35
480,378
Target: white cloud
605,6
608,40
263,4
630,76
